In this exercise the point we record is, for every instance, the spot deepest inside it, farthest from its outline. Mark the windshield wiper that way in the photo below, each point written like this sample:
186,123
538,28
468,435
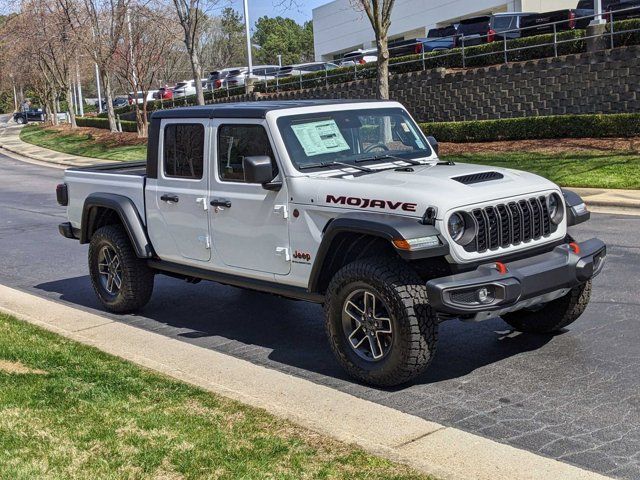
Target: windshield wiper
410,161
336,164
386,156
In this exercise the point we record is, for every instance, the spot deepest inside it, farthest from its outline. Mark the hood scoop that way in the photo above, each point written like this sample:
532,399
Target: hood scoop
478,178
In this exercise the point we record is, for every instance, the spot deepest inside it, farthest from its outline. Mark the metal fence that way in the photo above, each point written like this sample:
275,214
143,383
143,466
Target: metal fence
496,48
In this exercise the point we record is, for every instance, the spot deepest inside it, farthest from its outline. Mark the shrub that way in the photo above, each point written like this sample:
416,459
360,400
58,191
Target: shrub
97,122
532,128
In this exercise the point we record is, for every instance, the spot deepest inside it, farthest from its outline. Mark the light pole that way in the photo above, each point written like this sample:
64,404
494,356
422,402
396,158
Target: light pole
98,87
248,31
80,100
597,9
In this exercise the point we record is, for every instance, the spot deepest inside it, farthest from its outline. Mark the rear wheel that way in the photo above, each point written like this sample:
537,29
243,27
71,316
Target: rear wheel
122,281
20,120
379,323
554,315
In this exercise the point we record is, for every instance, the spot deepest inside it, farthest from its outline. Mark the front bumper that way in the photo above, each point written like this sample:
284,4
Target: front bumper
488,292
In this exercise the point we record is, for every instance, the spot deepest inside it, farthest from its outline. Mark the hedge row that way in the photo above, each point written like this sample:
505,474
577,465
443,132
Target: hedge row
96,122
534,128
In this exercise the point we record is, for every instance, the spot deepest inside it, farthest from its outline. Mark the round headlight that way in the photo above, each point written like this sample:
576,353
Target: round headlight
456,226
554,205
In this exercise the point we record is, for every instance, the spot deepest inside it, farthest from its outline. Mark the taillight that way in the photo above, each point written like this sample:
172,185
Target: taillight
491,35
62,194
218,83
362,61
418,48
572,20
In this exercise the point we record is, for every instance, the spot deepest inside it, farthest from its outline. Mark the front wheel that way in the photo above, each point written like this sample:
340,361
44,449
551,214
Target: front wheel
20,120
380,326
554,315
122,281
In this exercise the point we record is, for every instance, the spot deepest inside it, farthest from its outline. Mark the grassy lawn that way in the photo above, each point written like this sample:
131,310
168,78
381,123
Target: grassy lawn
71,411
594,169
81,144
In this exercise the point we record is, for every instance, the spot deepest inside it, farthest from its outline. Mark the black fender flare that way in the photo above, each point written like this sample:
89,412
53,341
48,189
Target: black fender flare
572,199
388,227
129,216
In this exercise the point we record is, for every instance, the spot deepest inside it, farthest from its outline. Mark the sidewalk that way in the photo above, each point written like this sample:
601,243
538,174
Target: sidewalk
10,141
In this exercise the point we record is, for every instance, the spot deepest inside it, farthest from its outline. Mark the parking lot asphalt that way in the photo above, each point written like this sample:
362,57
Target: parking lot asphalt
574,396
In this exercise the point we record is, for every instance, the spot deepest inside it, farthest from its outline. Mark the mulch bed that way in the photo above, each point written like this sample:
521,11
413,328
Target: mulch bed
103,136
564,145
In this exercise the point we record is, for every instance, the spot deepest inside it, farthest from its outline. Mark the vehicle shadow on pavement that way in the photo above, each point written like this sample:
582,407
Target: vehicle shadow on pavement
287,335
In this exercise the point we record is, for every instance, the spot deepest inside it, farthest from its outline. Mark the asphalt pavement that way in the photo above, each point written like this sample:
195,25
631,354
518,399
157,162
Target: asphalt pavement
574,396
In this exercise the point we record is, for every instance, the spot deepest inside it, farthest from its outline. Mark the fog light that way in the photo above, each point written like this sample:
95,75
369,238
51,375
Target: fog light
483,295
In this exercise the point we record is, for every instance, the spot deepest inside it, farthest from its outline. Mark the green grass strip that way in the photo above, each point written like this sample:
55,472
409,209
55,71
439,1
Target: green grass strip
71,411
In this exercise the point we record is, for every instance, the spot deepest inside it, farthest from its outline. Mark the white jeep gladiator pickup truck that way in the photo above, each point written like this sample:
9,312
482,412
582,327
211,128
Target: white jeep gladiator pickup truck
343,203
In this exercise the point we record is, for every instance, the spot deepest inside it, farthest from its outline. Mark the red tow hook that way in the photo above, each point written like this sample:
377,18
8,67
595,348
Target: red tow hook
501,268
575,248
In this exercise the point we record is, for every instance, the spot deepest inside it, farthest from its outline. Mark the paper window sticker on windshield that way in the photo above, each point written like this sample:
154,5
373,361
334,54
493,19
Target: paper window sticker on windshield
405,127
318,138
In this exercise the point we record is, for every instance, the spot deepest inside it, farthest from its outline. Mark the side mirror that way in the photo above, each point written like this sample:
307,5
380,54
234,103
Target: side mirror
434,143
258,169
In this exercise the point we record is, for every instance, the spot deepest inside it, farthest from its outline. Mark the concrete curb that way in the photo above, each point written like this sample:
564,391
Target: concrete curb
445,452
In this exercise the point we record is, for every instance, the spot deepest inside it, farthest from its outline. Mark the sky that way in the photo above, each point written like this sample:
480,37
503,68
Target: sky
273,8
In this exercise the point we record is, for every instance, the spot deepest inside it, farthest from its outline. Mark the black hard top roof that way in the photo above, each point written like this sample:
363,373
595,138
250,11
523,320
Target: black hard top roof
256,109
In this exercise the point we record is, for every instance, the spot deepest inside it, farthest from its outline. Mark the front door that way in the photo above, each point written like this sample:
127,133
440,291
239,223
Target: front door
249,224
179,223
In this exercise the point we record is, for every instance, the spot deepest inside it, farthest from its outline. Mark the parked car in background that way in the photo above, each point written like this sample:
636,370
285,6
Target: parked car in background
31,115
259,73
184,89
216,77
557,21
139,96
119,102
623,10
359,57
507,25
443,38
475,31
164,93
304,68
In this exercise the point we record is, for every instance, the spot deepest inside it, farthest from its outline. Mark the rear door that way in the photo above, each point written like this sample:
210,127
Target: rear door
178,214
250,224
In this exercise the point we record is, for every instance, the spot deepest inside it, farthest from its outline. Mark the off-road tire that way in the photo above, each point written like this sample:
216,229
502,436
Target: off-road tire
555,315
415,324
20,121
137,277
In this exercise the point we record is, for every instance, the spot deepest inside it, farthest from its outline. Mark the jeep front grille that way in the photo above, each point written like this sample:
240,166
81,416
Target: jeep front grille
510,224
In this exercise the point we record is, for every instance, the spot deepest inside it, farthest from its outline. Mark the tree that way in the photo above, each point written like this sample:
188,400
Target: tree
192,15
139,58
101,24
379,14
283,36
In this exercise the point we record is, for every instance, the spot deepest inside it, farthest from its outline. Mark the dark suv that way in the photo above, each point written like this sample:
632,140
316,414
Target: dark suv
475,31
507,25
31,115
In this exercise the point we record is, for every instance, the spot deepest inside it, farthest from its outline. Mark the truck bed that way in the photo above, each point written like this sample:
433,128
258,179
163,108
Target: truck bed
126,179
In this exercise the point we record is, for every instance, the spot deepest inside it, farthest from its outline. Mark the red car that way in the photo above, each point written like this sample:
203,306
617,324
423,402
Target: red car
164,93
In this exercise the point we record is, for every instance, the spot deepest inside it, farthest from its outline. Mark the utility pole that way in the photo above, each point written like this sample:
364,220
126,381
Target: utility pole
248,30
80,101
98,87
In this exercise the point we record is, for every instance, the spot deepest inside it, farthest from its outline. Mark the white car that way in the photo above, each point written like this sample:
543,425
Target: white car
359,57
304,68
140,95
259,73
340,203
184,89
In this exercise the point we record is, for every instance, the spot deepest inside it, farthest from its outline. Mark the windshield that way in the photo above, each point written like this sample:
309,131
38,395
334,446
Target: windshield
352,136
